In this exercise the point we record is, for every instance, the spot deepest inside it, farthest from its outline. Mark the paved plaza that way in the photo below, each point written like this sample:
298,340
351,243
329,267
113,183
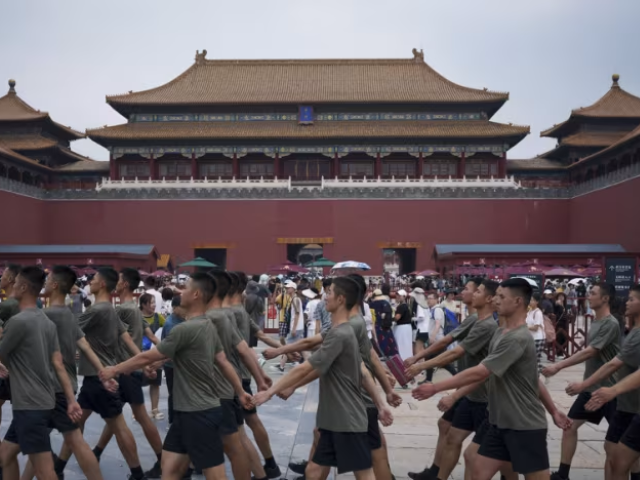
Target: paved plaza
411,439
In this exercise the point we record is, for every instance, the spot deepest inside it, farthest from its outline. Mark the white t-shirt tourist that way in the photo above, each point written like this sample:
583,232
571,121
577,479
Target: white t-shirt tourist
535,317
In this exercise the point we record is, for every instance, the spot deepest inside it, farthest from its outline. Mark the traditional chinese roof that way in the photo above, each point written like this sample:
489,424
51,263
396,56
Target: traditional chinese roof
86,165
568,248
616,103
14,109
79,249
633,136
592,139
27,142
326,130
259,82
8,153
538,163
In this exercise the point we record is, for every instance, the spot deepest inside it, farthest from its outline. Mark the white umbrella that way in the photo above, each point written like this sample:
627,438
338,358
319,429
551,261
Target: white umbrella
532,282
576,281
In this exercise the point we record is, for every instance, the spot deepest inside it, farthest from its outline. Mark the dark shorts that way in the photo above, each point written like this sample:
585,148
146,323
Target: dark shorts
130,388
422,336
30,430
232,416
373,430
619,424
481,432
59,418
350,452
525,449
450,414
578,412
5,390
93,396
469,415
246,386
631,437
197,434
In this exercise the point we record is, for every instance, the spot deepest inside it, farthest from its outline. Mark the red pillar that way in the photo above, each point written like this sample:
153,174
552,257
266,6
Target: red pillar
502,166
194,166
113,168
276,166
378,169
234,166
462,165
153,173
420,165
336,166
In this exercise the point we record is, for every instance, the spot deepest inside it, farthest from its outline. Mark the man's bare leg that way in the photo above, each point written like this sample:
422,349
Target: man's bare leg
174,465
252,454
568,448
235,451
433,471
262,439
451,451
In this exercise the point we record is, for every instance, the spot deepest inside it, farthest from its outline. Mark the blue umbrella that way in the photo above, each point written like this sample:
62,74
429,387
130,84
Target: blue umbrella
352,264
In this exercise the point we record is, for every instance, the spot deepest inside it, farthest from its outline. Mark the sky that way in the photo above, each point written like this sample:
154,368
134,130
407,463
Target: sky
551,55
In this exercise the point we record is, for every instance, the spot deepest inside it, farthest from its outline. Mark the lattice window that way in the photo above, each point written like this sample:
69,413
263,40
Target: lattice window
218,169
399,169
140,170
174,169
356,169
481,169
440,168
256,169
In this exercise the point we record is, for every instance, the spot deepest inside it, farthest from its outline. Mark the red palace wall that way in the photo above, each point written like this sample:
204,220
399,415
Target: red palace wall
608,216
356,226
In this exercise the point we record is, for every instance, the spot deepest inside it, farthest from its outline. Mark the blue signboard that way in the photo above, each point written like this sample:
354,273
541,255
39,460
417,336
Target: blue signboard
305,114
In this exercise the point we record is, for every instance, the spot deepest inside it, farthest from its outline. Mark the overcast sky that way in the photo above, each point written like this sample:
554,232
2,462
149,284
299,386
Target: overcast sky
551,55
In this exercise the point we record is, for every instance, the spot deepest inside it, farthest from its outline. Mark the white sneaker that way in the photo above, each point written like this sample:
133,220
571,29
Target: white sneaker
157,415
262,361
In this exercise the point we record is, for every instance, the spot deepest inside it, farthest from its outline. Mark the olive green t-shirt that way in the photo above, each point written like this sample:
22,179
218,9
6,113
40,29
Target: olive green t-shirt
102,329
193,345
359,326
476,349
229,339
8,308
68,335
630,357
340,407
246,327
514,401
131,316
462,330
604,336
28,343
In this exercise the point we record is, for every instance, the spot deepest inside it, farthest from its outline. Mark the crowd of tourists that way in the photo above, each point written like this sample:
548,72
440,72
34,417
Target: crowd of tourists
335,332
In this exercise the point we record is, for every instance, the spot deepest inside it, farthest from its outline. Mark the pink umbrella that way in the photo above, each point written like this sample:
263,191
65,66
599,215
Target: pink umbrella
159,273
286,268
88,271
428,273
562,272
143,273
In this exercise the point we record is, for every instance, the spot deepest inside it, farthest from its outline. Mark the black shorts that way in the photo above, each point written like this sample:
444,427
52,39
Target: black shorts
350,452
130,388
197,434
525,449
93,396
5,390
232,416
59,418
631,437
578,412
619,424
451,413
422,336
246,386
373,430
481,432
30,430
469,415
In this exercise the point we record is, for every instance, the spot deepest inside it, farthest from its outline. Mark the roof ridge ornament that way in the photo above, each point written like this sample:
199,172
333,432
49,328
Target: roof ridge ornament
418,55
615,78
12,86
201,57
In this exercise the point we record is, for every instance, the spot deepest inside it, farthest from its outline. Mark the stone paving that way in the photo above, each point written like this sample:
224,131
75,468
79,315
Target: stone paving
411,439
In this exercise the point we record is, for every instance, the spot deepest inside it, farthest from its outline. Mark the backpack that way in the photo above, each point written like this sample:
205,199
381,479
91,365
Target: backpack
146,343
450,321
549,330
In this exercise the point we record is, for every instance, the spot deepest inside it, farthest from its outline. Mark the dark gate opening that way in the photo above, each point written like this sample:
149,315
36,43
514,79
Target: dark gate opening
218,256
303,254
400,261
